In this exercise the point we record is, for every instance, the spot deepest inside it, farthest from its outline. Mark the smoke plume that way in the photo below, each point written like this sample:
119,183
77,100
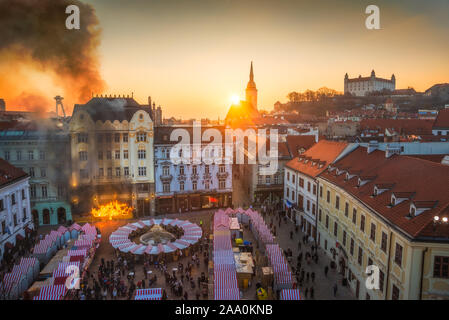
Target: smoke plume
34,39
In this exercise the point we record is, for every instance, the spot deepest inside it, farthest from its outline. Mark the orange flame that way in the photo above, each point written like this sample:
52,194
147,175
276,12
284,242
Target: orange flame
113,209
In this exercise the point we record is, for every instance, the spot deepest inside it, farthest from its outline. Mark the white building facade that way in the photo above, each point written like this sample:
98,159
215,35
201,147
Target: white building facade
361,86
15,211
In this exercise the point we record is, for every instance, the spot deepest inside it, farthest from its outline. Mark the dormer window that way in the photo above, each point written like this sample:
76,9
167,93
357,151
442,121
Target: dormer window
412,210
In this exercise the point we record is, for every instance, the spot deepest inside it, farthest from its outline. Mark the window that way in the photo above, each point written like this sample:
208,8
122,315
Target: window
166,153
313,208
383,244
15,219
181,185
141,154
32,172
194,185
319,215
308,186
381,280
165,170
7,156
108,137
43,172
301,182
100,155
116,137
288,176
362,223
293,178
327,221
83,155
222,168
83,174
222,184
344,238
117,171
126,171
354,216
346,209
194,170
100,138
398,254
328,196
100,172
13,199
30,155
337,202
41,155
125,137
351,248
82,137
108,155
373,232
441,267
142,171
23,194
308,205
335,229
2,206
268,179
19,155
141,137
321,191
206,185
166,187
44,192
117,154
125,154
33,191
314,189
181,170
395,293
360,257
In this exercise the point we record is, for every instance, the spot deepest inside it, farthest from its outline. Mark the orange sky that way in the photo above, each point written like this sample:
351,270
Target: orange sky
191,56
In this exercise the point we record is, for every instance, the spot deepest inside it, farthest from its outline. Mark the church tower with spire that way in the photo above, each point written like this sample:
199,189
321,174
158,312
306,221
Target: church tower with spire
251,90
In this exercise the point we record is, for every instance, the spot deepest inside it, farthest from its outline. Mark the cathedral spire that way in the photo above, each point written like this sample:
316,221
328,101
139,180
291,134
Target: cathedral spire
251,73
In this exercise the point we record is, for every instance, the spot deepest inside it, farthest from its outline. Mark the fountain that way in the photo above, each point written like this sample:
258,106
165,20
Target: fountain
157,235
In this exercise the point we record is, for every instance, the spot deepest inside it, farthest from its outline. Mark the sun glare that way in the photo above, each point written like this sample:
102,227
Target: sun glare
235,99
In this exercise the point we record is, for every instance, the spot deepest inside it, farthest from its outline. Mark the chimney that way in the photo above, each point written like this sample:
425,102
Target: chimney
149,101
372,145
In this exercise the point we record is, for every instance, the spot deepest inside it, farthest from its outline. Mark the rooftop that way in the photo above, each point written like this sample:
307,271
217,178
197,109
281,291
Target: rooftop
9,173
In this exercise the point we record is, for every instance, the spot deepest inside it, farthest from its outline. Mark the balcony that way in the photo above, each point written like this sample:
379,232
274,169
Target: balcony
166,177
222,175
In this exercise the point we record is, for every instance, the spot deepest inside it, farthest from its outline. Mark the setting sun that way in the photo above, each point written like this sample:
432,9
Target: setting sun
235,99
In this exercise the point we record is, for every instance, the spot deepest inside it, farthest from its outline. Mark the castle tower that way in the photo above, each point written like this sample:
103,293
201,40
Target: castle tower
251,90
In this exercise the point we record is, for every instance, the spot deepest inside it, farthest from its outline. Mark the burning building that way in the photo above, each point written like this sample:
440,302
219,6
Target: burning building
112,154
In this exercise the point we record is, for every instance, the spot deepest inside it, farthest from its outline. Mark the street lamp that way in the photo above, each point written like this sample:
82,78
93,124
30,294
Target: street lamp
439,220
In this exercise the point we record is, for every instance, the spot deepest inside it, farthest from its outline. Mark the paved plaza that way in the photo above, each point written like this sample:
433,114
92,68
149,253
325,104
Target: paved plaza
323,286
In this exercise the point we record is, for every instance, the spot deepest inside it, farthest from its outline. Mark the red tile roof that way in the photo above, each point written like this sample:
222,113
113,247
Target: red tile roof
295,143
9,173
422,182
324,151
402,126
442,120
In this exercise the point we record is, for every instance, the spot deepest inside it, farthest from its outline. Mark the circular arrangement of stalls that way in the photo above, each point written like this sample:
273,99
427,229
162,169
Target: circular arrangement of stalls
156,236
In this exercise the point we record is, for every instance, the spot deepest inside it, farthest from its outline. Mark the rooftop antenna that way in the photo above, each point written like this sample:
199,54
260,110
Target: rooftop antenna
59,103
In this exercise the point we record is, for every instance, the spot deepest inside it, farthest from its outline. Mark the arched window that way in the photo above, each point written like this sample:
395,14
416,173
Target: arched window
46,216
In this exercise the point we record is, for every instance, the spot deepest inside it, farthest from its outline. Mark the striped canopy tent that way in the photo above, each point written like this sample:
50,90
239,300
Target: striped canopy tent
90,237
25,271
148,223
139,224
175,222
64,269
65,234
117,243
181,244
86,227
226,294
15,284
166,221
148,294
282,275
139,249
9,290
170,247
240,210
228,211
75,226
43,251
80,243
32,264
52,292
77,252
126,247
290,294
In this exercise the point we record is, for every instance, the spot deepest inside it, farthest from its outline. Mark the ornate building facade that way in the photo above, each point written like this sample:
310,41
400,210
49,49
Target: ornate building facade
112,154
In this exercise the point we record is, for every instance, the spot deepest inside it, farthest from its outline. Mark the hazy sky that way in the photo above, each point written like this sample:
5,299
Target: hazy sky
192,55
